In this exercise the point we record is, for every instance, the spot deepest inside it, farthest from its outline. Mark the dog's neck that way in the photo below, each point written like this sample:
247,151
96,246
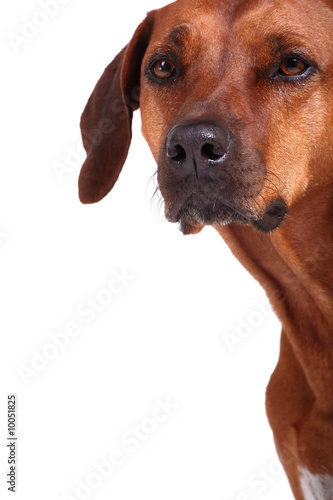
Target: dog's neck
305,244
294,264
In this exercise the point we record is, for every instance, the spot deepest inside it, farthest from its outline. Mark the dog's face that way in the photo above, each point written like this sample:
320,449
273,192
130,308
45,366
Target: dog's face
235,114
236,98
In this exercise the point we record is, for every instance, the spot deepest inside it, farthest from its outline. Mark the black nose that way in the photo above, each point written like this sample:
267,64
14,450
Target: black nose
200,145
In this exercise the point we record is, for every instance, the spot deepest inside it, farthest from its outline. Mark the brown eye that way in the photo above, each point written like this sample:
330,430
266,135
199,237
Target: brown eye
293,66
163,68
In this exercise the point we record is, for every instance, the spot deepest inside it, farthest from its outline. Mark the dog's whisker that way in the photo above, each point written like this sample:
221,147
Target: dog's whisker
273,184
307,194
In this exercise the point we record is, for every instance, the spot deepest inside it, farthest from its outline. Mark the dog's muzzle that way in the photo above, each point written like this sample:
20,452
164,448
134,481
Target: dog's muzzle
206,179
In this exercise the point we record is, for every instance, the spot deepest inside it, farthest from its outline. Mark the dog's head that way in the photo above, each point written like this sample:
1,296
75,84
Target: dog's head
236,100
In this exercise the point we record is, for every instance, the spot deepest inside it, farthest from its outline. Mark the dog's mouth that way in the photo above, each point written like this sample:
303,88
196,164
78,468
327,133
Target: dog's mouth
199,211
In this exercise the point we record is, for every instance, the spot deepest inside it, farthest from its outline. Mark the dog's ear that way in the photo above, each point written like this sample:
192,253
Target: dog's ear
106,121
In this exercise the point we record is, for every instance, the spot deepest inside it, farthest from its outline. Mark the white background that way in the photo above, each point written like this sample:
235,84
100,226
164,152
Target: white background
162,337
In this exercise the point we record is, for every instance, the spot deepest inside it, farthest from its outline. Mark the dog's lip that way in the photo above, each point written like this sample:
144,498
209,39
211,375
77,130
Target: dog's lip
172,217
173,214
189,225
271,219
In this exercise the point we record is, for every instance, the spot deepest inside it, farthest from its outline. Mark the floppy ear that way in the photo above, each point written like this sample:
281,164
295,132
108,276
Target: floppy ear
107,118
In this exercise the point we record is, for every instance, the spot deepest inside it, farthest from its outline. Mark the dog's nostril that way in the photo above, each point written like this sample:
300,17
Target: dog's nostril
198,145
212,151
176,153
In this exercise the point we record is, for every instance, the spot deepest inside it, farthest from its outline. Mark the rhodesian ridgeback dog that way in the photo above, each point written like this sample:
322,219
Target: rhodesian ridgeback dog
236,99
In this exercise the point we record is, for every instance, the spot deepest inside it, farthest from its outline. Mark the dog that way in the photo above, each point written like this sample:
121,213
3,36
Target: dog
236,100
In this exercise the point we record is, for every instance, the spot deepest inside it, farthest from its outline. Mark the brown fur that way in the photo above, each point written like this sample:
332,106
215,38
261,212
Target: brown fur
284,151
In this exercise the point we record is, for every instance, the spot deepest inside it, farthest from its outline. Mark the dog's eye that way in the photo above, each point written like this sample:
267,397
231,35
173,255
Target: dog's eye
292,66
163,68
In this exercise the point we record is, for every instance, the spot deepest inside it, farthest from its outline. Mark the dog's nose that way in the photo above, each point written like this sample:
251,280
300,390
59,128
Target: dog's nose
199,145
